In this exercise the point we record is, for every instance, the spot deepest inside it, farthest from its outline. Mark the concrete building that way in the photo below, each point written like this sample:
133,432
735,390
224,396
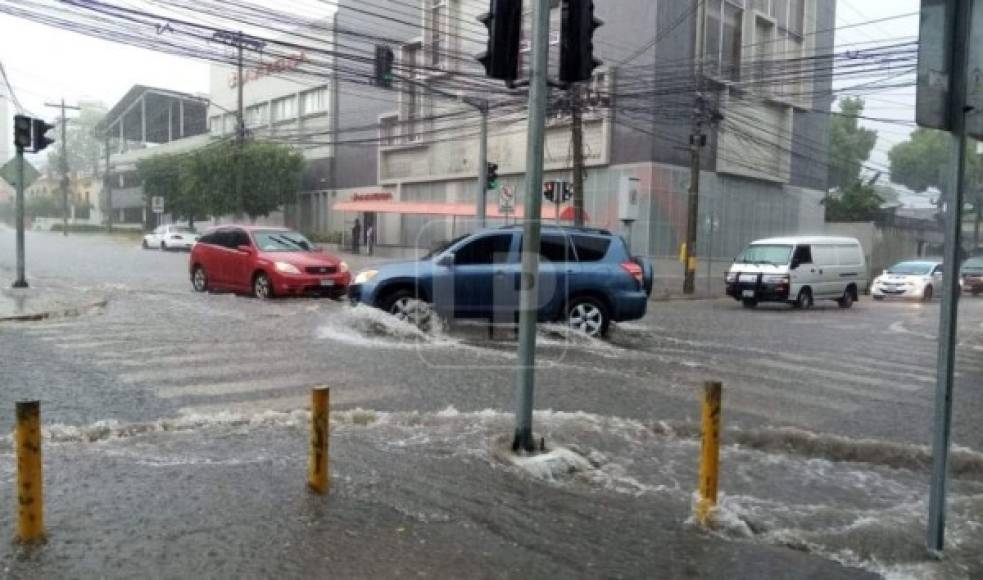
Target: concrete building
6,127
146,121
764,166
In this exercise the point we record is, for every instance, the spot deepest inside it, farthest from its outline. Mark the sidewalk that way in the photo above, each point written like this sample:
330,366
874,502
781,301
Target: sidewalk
41,301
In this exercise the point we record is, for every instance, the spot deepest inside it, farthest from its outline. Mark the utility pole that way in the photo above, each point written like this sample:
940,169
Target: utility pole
21,281
483,166
945,366
107,186
240,127
529,277
577,128
64,162
696,142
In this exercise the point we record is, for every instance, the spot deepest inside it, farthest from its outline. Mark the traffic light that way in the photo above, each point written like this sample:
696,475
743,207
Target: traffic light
492,175
40,139
504,23
22,132
567,191
549,191
577,62
384,59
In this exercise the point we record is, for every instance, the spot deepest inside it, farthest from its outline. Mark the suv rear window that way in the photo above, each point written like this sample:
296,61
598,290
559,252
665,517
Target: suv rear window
591,248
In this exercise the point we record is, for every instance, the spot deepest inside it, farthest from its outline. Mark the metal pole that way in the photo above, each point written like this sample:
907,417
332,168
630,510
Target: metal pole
21,281
945,367
64,172
107,183
577,123
529,278
695,147
709,256
556,204
483,167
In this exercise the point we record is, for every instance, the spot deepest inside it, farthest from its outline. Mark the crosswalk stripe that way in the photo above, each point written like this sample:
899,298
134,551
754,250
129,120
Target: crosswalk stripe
831,374
228,368
234,387
339,397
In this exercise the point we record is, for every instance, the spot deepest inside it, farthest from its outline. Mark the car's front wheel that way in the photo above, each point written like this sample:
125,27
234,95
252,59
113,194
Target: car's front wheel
846,301
145,245
589,316
927,294
804,299
262,287
407,307
199,280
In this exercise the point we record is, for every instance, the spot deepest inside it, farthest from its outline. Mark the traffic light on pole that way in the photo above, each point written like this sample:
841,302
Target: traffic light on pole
492,175
549,191
41,141
384,59
504,23
577,62
22,132
567,191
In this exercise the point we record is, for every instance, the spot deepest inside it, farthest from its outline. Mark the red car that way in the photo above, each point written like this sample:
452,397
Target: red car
265,262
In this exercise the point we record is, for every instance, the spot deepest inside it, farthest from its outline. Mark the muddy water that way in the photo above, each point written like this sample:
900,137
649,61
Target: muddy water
223,494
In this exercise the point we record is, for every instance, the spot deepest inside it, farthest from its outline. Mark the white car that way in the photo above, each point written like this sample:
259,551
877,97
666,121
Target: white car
919,279
171,237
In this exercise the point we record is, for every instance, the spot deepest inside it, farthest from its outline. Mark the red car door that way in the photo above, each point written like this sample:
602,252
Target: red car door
208,252
238,263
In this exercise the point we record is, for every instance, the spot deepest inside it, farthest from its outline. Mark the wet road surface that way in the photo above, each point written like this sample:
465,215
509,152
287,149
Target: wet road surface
178,413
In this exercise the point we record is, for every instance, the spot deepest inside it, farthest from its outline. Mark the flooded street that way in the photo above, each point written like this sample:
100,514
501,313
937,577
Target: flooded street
177,435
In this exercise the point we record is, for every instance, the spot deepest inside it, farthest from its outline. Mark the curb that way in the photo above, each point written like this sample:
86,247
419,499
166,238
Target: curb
64,313
681,298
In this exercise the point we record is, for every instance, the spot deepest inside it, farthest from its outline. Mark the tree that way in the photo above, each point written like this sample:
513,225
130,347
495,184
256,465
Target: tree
921,162
83,146
857,203
849,144
203,182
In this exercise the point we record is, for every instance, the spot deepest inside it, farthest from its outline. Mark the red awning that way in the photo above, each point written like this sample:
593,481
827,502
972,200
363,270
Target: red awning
440,208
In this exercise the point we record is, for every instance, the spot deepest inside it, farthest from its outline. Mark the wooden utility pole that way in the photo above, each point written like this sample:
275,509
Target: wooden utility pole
696,142
63,166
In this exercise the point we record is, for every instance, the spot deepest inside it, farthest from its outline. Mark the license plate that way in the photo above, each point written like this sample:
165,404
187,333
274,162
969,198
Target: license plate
752,278
327,282
747,294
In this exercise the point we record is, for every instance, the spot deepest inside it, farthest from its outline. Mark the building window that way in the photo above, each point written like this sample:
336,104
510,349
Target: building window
285,109
314,101
438,28
258,115
413,97
724,19
389,130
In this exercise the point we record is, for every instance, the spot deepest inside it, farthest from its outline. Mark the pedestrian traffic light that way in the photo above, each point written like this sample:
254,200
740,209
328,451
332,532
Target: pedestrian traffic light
22,132
577,62
492,175
549,191
41,141
504,23
567,191
384,59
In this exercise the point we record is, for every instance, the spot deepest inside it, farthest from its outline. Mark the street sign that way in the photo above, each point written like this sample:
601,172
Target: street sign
934,81
9,173
157,204
506,200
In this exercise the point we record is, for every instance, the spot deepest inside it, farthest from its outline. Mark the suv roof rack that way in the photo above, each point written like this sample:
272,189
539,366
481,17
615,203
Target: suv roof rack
583,229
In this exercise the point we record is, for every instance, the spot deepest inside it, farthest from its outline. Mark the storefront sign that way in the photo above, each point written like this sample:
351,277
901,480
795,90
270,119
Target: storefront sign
380,196
280,65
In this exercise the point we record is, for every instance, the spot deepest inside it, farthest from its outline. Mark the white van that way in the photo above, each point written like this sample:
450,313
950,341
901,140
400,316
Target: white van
799,271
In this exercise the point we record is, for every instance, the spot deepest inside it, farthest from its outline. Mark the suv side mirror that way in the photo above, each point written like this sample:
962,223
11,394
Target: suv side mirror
446,260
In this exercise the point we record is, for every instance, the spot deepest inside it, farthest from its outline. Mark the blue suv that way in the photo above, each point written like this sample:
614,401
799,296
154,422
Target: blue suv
587,279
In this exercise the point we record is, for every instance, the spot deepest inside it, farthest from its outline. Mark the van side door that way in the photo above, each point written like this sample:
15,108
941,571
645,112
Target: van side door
827,279
802,272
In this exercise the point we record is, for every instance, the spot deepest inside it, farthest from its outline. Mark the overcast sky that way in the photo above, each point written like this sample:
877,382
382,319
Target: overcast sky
77,67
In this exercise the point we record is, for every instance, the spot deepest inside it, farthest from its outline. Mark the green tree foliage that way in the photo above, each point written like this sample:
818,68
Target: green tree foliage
204,182
84,147
856,203
849,144
921,162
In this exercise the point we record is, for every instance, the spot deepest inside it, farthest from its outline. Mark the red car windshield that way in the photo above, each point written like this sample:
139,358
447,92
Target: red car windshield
280,241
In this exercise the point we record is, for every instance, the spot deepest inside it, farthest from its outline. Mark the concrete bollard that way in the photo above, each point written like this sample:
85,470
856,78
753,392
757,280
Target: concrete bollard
318,474
709,453
30,479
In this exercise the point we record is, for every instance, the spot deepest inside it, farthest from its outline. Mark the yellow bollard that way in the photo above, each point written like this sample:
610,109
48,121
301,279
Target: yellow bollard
30,480
318,474
709,452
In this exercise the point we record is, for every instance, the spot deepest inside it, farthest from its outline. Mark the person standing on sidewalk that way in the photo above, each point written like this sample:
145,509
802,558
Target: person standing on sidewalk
356,235
370,237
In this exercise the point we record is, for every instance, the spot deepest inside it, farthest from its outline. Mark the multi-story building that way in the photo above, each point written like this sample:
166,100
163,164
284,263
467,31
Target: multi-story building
146,121
766,120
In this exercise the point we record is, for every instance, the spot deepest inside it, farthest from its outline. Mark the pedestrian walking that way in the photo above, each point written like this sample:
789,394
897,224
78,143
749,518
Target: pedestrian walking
356,235
370,238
